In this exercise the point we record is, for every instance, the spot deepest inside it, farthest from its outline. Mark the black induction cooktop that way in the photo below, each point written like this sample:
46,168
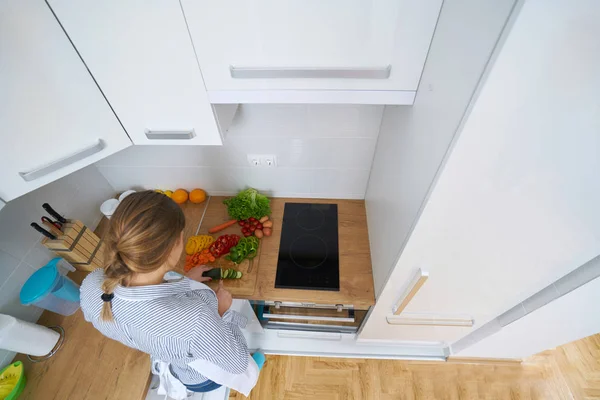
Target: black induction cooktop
308,251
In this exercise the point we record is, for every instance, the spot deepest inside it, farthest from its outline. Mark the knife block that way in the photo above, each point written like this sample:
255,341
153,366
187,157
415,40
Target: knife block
78,245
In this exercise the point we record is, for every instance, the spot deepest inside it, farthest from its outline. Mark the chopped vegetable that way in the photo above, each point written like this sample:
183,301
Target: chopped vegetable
264,219
248,204
258,233
197,259
267,231
198,243
268,224
220,273
246,248
222,245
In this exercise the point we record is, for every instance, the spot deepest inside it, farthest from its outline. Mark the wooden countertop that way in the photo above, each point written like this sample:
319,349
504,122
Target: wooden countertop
91,366
356,276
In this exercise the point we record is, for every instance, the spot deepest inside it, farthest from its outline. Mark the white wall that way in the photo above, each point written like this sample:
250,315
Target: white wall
413,140
322,151
516,206
571,317
78,196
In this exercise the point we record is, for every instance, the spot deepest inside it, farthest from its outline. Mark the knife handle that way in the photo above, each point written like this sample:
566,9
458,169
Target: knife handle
53,213
42,231
50,227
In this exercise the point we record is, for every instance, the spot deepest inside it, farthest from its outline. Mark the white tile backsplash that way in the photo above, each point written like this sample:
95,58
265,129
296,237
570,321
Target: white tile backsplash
78,196
322,151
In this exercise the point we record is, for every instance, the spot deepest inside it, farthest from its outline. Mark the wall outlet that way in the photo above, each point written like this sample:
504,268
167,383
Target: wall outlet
269,160
262,160
254,160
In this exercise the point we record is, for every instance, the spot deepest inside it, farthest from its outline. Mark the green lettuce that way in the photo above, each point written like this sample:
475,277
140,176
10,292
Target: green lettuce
248,203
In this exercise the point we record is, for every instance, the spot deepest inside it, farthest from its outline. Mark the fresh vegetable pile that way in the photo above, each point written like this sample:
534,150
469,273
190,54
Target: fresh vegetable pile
222,245
258,227
198,243
246,248
248,203
199,258
221,273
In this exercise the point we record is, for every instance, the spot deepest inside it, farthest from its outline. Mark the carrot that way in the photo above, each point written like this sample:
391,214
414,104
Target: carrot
218,228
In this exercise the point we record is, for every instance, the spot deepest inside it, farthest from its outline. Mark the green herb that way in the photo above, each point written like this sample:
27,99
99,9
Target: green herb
248,203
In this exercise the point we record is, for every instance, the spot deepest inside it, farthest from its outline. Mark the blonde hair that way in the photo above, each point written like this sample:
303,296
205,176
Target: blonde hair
143,230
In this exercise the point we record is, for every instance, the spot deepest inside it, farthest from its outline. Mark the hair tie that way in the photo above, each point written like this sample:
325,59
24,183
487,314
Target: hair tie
107,296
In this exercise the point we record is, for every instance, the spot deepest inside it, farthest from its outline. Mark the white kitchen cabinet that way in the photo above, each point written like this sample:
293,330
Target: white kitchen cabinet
54,118
515,207
342,51
141,55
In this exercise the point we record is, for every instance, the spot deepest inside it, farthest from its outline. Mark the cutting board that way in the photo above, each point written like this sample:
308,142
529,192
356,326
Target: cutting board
216,213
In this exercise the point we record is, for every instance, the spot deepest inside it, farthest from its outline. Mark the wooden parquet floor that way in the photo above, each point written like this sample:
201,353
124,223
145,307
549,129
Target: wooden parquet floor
571,371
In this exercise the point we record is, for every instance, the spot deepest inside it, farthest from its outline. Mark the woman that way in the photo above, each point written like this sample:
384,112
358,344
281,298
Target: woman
173,322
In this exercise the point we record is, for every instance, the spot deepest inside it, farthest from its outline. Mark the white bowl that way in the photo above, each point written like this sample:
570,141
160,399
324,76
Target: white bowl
125,194
108,207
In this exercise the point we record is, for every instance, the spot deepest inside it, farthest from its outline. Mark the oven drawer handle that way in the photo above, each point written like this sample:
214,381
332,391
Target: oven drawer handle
308,317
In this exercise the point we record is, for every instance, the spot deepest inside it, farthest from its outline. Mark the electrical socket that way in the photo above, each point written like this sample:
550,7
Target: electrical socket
254,160
262,160
269,160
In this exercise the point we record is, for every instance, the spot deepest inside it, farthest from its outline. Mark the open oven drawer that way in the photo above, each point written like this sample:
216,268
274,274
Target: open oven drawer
312,318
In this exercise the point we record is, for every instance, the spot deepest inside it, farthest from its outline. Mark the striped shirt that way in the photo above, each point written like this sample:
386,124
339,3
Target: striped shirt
172,323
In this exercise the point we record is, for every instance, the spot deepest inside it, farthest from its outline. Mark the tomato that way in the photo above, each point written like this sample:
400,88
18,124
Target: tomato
241,222
252,228
247,234
259,226
251,219
244,230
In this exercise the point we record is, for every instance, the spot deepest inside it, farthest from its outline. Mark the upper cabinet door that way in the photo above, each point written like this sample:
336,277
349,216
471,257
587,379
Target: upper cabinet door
54,118
141,55
318,45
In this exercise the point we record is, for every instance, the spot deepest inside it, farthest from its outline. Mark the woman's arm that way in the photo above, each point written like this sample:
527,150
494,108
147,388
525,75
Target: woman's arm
220,340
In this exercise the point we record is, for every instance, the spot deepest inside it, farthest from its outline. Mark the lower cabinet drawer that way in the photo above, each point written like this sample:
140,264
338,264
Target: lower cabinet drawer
311,319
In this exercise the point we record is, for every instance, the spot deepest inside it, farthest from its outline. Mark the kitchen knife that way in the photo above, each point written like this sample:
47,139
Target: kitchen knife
43,231
53,213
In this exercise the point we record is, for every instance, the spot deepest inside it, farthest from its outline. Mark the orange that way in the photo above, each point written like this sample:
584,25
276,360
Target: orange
197,196
180,196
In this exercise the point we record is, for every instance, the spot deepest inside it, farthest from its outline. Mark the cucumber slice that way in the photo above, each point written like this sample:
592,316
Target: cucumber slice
222,273
238,275
227,274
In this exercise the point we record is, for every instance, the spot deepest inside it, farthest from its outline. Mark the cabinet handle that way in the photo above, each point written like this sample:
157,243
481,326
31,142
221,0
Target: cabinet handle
429,321
63,162
170,135
309,73
307,317
410,291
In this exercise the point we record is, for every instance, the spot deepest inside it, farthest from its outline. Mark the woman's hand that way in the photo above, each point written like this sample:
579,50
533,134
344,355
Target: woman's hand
224,298
196,273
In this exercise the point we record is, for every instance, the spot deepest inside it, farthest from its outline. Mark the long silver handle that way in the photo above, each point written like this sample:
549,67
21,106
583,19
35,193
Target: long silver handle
309,73
63,162
410,291
308,317
465,321
170,135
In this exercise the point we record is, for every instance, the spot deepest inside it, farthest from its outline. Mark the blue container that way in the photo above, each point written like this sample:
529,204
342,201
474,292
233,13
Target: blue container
48,289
